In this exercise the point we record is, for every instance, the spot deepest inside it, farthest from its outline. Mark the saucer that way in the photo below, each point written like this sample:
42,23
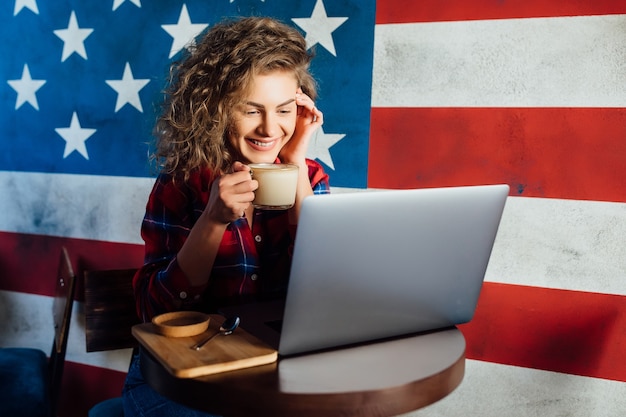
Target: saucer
181,323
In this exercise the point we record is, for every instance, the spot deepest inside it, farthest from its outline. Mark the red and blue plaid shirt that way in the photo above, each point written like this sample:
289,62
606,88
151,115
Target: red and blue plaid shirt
249,261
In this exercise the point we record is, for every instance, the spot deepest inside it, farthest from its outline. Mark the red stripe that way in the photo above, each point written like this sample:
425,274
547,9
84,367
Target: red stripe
402,11
573,332
84,386
573,153
29,262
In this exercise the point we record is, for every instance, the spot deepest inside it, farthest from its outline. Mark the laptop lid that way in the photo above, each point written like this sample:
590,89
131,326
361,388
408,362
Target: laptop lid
379,264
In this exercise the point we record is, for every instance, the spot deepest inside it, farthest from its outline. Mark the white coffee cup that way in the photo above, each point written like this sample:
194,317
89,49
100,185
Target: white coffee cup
277,185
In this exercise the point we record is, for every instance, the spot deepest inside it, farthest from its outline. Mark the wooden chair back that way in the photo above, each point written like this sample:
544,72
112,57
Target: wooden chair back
109,309
62,316
63,301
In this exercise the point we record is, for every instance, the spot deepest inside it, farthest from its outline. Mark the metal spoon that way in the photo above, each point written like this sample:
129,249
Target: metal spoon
228,326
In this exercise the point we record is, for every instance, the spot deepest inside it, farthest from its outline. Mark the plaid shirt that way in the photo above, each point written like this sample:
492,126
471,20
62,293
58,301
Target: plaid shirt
249,261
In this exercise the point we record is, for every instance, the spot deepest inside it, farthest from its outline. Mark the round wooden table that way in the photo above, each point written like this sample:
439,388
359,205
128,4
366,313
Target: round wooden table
378,379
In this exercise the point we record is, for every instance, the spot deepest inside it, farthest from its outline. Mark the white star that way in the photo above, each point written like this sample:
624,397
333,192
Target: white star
128,89
184,32
26,88
118,3
73,38
75,137
20,4
319,27
320,147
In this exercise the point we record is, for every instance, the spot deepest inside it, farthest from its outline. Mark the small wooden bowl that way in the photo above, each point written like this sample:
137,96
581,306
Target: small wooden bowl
181,323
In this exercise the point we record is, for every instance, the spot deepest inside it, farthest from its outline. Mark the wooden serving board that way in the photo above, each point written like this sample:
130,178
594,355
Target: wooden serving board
223,353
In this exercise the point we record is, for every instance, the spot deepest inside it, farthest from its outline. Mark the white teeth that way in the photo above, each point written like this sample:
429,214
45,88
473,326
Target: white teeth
261,144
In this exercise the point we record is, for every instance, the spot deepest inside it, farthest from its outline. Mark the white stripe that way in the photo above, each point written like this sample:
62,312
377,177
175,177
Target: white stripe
491,390
540,62
565,244
77,206
27,322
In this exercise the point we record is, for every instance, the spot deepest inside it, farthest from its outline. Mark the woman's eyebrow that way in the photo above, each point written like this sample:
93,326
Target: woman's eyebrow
261,106
291,100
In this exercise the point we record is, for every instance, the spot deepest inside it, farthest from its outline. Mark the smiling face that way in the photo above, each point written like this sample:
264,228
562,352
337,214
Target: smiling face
266,119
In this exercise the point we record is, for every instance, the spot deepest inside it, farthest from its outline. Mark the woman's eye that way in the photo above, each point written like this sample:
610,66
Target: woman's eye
252,112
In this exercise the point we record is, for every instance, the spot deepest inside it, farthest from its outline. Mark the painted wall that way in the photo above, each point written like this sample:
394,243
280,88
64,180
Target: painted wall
415,94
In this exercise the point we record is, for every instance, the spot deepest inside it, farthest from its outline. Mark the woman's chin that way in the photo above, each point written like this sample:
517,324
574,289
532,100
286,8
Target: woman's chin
262,159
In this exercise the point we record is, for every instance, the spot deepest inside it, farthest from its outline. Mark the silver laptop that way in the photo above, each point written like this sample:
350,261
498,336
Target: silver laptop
380,264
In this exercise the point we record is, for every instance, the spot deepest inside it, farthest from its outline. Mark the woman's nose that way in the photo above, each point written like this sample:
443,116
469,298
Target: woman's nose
269,125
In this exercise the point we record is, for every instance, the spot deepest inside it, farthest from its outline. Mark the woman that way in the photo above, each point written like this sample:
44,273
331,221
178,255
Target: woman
244,94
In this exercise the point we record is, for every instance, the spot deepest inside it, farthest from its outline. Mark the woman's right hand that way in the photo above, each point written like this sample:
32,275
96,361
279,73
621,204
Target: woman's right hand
231,194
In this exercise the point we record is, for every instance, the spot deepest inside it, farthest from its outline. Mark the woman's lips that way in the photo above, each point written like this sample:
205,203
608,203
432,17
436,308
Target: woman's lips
262,145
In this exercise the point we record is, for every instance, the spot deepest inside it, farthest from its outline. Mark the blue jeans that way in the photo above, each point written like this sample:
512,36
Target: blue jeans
140,400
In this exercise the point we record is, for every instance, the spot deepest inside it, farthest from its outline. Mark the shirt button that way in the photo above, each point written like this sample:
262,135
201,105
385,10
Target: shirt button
257,238
254,277
182,295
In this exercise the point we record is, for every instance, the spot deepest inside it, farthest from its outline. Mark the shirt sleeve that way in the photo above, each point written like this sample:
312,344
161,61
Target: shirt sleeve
318,177
160,285
319,183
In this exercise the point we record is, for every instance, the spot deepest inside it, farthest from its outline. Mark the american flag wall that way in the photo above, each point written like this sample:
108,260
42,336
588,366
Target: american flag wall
415,94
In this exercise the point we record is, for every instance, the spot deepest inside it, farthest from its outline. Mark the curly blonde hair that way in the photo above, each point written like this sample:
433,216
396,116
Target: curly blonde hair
212,79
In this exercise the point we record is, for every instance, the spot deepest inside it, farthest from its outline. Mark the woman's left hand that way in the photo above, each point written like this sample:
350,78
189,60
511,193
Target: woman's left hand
309,118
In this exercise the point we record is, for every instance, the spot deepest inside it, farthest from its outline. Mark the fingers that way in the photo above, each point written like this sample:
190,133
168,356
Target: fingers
317,116
239,186
307,109
240,167
309,119
232,194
